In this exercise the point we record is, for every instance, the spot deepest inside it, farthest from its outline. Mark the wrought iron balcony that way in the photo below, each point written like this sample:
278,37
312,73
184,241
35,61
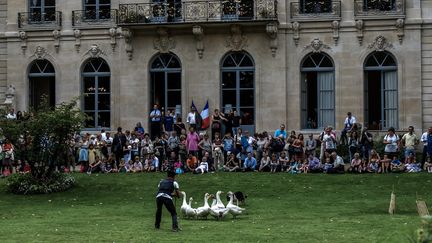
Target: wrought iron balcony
379,9
91,18
197,11
37,20
315,11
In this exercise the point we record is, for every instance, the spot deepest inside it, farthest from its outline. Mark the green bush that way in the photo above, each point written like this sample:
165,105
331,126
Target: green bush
27,184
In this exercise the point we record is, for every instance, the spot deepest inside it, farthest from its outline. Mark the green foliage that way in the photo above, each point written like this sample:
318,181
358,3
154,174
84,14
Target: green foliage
424,233
27,184
42,137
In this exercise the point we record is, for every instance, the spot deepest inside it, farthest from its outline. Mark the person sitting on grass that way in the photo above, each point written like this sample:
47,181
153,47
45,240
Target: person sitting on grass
428,165
178,167
249,163
191,163
328,166
314,164
356,164
122,167
165,166
384,164
396,165
304,166
231,163
293,167
412,166
203,167
338,163
137,166
274,163
283,161
373,166
265,163
108,167
95,166
154,163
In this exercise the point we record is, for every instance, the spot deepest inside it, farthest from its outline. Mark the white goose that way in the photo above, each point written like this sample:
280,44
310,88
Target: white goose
184,205
191,212
218,209
234,209
204,211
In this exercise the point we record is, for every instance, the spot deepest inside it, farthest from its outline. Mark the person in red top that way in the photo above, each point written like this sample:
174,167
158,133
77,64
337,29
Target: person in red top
8,150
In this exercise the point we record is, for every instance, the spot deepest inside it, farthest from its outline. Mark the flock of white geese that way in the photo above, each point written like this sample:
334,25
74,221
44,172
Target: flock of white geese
218,210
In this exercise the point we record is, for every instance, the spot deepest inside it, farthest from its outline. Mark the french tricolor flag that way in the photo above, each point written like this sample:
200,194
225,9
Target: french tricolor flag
205,117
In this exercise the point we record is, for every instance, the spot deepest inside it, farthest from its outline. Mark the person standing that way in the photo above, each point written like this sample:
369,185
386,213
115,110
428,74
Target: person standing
349,122
155,122
192,118
424,140
118,143
409,141
169,122
167,188
281,131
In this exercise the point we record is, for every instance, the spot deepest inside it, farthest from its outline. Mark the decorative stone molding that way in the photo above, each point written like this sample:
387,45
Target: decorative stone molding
400,25
94,51
23,37
237,41
335,26
113,35
40,53
316,46
128,34
380,44
272,32
164,43
10,96
77,34
296,32
56,35
198,32
359,26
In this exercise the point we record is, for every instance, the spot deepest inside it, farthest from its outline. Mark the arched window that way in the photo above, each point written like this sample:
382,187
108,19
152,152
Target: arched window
317,91
42,83
96,86
238,86
381,91
165,74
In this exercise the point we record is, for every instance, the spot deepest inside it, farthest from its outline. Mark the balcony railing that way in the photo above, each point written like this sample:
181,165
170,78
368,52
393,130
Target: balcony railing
364,9
91,18
37,20
197,11
316,11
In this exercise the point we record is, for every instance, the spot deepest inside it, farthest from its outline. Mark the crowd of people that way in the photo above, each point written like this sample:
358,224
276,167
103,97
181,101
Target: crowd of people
224,146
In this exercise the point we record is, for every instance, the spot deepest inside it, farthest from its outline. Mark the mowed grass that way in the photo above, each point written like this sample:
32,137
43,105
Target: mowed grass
281,208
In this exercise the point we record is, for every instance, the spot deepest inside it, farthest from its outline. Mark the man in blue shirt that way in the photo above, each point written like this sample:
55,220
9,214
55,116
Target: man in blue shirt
249,163
281,131
155,122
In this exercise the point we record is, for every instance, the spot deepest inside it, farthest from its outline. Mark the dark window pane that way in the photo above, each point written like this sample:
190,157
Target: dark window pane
89,102
35,68
371,62
174,63
228,62
89,85
228,80
382,5
90,1
174,98
247,97
42,66
326,62
90,12
104,119
174,80
104,102
50,14
308,62
90,121
35,3
246,79
229,98
103,67
104,84
238,57
88,68
157,64
246,62
315,6
247,116
389,61
104,1
50,3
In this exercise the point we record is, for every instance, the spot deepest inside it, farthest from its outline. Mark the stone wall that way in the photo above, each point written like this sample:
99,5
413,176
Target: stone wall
3,47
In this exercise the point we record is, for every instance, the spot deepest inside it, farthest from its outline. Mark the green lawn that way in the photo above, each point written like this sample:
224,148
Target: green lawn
281,208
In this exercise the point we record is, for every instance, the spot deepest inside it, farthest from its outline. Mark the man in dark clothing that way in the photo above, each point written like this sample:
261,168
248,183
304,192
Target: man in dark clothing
118,143
167,188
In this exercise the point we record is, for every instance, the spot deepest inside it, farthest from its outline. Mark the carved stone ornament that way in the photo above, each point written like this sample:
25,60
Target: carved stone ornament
272,32
113,34
296,32
380,44
10,95
127,35
95,51
400,24
40,53
164,43
56,35
23,37
198,32
335,26
316,46
77,35
359,26
237,41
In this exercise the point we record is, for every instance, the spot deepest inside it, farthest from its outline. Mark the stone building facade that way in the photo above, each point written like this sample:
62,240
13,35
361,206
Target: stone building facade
303,63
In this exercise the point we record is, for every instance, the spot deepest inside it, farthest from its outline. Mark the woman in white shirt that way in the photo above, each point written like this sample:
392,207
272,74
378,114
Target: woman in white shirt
391,141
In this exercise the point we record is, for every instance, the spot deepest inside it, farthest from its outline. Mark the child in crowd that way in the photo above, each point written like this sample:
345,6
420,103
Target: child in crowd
178,167
265,163
356,164
305,166
373,167
396,165
283,161
328,166
137,166
122,167
384,164
165,166
128,165
314,164
274,163
428,165
293,167
412,166
203,166
95,165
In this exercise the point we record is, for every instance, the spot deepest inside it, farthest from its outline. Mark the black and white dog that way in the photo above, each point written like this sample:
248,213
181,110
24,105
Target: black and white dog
239,198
